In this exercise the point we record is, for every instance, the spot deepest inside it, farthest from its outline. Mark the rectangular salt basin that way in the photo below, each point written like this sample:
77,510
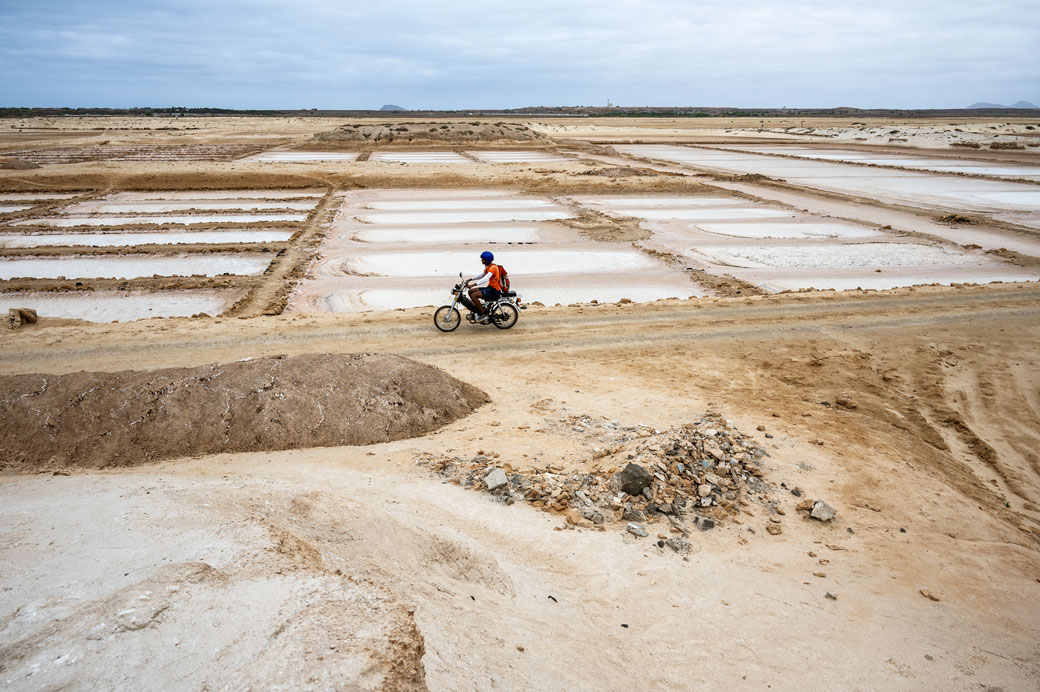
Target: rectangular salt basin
840,256
213,194
19,196
650,202
436,204
419,157
128,239
789,230
532,262
516,156
132,267
162,207
450,234
109,306
159,220
303,156
8,208
432,217
392,298
843,281
705,213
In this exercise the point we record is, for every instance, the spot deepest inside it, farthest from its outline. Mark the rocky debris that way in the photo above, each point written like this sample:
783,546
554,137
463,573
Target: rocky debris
636,530
620,172
774,529
17,164
704,472
18,316
929,595
831,596
634,478
821,511
845,401
496,479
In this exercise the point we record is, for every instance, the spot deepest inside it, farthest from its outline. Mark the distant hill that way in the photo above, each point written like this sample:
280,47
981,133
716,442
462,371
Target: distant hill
391,107
1016,104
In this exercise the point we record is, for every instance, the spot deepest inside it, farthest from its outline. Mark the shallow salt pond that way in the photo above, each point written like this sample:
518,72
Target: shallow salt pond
156,207
13,240
463,216
70,221
302,156
839,256
132,266
8,208
108,306
789,230
520,262
652,202
213,194
419,157
884,281
449,234
516,156
896,186
392,298
705,213
461,204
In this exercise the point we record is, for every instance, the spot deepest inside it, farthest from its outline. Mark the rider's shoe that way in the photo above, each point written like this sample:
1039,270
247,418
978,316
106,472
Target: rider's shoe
482,319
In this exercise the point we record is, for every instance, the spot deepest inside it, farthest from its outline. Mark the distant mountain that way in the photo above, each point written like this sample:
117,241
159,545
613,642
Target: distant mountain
392,107
1016,104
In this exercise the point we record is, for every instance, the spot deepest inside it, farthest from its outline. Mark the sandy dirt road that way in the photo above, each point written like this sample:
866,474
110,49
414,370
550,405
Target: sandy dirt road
432,570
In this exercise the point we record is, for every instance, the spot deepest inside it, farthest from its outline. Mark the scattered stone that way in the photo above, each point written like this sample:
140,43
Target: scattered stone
797,492
774,529
19,316
845,401
804,506
831,596
929,595
769,436
634,479
636,530
821,511
679,545
821,575
705,523
496,479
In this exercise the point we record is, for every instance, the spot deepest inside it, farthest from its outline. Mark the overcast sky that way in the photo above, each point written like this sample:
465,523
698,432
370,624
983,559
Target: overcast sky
496,54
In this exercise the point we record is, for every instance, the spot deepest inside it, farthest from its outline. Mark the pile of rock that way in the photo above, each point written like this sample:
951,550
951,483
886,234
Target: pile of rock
704,472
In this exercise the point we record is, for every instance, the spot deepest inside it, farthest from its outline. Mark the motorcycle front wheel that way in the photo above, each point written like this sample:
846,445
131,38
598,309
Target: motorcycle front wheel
447,318
505,315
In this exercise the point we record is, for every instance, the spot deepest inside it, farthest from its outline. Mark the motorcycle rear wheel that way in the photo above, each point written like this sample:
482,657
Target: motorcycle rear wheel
505,315
447,318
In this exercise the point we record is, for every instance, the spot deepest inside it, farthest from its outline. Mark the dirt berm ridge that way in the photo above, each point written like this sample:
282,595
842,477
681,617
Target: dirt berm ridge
433,132
112,419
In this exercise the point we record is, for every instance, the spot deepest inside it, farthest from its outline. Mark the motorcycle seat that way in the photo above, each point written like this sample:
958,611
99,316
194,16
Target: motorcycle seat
509,294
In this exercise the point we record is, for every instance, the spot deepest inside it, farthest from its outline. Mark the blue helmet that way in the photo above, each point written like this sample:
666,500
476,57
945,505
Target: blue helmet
486,257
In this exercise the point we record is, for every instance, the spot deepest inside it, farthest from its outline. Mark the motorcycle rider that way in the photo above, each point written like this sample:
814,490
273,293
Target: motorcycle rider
486,285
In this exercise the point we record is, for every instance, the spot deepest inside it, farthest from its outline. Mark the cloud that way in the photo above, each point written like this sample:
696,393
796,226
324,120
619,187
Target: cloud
316,53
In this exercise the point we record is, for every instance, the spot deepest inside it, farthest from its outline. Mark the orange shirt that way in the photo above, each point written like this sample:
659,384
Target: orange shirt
495,280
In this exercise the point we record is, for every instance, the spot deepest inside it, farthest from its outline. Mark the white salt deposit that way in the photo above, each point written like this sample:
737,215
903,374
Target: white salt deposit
14,240
652,202
880,282
7,208
789,230
108,306
705,213
69,221
391,298
302,156
213,194
516,156
419,157
131,267
527,262
156,207
436,204
461,216
839,256
448,234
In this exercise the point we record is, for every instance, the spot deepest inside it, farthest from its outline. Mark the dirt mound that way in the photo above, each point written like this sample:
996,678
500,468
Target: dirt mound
620,172
101,419
429,132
